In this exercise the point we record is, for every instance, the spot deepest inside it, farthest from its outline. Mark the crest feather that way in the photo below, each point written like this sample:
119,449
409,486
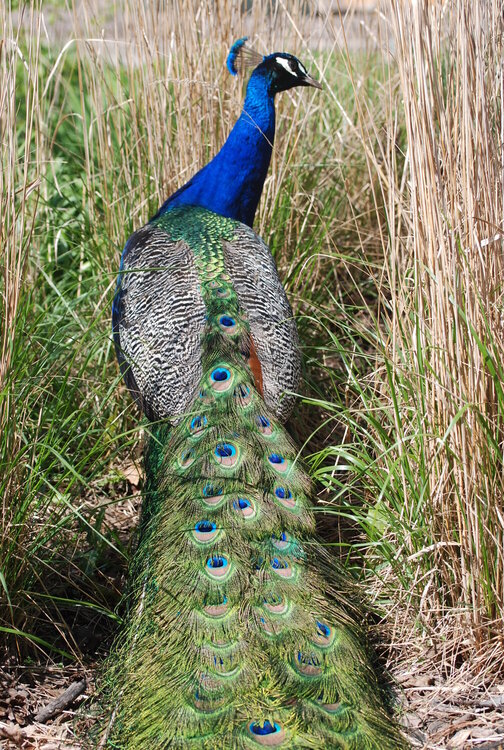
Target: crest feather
241,57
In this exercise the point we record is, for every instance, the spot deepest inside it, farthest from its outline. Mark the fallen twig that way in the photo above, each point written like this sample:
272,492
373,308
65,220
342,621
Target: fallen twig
59,704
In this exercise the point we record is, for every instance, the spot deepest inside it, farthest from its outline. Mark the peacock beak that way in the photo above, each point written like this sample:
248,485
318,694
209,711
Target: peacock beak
309,81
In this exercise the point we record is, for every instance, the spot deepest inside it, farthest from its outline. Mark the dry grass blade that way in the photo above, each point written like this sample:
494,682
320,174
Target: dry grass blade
19,188
450,65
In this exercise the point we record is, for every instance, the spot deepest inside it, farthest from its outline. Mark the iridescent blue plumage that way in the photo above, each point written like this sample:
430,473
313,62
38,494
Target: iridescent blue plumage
236,52
231,184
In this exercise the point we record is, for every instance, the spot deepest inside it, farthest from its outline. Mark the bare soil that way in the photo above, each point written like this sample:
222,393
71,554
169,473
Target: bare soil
437,713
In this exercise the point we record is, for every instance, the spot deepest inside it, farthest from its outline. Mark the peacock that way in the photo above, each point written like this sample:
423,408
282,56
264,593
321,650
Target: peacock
241,631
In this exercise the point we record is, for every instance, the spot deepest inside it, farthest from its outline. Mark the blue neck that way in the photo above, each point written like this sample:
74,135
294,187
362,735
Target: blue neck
231,184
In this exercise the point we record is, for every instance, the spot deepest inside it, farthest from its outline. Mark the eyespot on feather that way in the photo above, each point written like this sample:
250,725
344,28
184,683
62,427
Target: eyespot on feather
221,379
242,395
324,635
285,497
225,667
267,734
205,397
226,454
205,531
212,495
264,425
276,605
217,566
208,705
197,425
227,324
307,664
186,458
278,462
244,507
216,609
282,567
280,542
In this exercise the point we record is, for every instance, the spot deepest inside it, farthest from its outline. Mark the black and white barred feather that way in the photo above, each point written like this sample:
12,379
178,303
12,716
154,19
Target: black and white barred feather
159,320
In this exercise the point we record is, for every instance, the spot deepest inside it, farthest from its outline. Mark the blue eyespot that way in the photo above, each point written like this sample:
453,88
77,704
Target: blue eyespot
308,659
283,493
277,564
274,599
282,538
262,421
225,450
220,374
323,630
205,527
276,458
212,601
241,503
241,391
227,321
266,728
210,491
197,423
258,563
217,562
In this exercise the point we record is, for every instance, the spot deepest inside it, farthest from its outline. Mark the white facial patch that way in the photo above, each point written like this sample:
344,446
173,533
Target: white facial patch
286,64
302,68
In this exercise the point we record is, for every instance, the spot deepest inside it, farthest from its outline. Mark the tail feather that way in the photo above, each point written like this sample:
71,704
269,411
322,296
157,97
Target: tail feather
244,633
247,634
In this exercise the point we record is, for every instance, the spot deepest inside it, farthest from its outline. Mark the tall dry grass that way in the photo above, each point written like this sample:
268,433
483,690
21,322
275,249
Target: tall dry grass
422,424
383,207
449,58
100,120
19,188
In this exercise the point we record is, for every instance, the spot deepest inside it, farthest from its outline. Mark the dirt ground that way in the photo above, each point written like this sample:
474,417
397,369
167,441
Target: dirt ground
437,714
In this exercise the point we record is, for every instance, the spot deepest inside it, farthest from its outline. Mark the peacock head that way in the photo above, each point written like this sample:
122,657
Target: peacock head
282,70
285,71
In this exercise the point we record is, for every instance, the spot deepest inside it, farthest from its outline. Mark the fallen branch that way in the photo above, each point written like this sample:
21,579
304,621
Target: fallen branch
59,704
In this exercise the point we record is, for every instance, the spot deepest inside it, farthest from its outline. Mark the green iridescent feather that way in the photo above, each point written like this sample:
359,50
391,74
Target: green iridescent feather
242,632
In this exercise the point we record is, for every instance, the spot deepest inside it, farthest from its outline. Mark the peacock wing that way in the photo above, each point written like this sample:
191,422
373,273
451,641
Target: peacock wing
158,322
273,331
